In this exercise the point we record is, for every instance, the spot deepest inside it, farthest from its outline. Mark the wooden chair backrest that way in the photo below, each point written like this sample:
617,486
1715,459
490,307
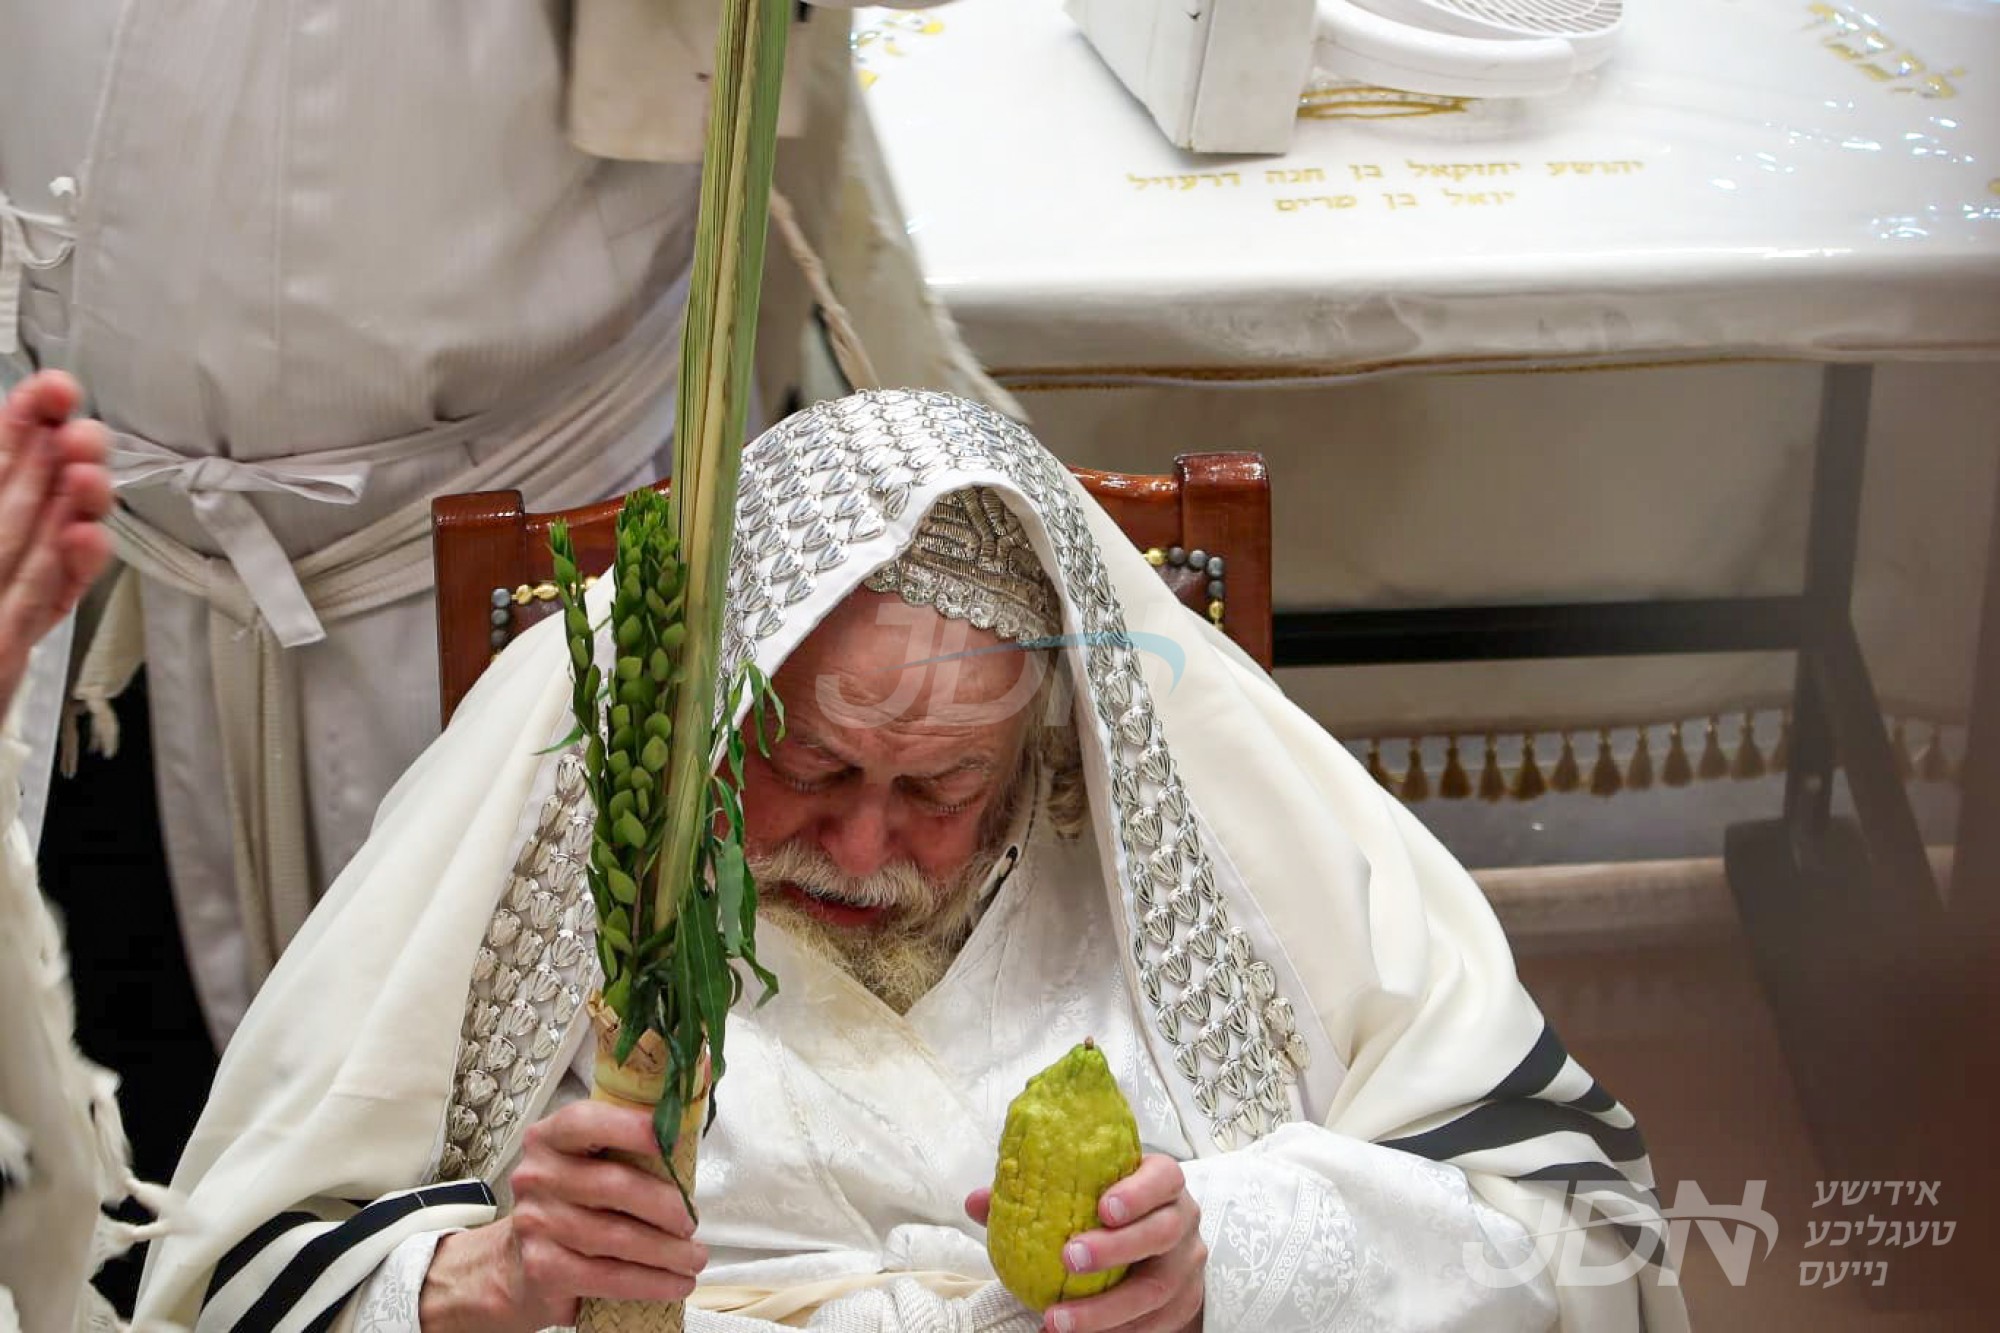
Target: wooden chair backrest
493,564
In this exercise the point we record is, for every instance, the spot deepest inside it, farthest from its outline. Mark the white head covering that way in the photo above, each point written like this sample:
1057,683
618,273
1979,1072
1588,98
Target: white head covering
1298,946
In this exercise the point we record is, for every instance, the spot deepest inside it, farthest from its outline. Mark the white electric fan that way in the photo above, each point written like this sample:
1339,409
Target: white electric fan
1466,48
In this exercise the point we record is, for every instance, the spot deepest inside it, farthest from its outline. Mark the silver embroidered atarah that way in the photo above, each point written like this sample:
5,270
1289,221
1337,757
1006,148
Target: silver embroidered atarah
971,560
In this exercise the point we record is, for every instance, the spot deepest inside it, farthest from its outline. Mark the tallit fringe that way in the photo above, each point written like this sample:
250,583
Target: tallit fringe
14,1164
114,1237
1736,745
93,1091
103,729
111,658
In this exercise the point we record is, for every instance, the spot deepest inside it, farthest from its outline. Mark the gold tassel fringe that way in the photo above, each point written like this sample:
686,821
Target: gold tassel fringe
1528,781
1677,772
1749,759
1492,782
1568,775
1416,782
1455,785
1605,779
1743,759
1375,769
1639,777
1713,766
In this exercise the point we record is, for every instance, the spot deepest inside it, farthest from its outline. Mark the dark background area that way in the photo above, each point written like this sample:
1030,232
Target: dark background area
104,868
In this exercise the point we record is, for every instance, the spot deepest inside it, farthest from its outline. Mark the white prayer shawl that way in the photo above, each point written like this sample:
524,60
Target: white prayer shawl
62,1142
48,1172
850,1136
1297,950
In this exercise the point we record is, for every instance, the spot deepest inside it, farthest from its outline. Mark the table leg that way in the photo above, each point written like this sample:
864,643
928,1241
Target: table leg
1874,990
1975,878
1839,461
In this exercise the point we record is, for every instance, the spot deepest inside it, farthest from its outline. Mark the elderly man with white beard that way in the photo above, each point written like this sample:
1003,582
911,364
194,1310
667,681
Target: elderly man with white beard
1023,798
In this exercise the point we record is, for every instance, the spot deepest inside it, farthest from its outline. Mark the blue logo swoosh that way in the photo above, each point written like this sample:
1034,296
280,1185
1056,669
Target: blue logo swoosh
1161,646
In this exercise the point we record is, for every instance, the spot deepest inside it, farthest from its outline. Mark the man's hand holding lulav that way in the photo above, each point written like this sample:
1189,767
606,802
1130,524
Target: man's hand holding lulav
582,1225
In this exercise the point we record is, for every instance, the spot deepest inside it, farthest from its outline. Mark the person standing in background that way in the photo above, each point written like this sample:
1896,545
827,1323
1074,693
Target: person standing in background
318,264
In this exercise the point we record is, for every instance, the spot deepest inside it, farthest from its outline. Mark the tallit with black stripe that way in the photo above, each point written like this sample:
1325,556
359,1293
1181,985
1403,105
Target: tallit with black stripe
1415,1030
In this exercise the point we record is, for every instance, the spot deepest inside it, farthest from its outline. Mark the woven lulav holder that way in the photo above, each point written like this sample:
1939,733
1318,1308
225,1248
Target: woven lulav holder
639,1083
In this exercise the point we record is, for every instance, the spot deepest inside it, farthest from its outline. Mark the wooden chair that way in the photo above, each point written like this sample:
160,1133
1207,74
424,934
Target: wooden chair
493,564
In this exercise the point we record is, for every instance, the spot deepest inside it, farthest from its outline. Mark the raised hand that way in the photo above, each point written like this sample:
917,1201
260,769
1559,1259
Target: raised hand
1153,1226
54,493
582,1225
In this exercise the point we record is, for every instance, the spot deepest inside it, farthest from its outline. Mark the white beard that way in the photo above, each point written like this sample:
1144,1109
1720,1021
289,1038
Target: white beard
903,958
900,960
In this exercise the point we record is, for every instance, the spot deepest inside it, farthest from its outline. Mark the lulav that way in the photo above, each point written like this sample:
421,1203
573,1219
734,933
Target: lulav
675,905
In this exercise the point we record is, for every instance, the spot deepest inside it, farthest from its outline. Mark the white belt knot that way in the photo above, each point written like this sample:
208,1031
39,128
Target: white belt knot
216,488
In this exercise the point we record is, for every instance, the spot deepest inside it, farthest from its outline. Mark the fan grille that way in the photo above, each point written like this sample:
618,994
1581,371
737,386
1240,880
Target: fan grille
1541,18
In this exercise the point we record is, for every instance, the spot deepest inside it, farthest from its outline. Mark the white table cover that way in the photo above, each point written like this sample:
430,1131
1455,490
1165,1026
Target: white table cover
1746,180
1742,188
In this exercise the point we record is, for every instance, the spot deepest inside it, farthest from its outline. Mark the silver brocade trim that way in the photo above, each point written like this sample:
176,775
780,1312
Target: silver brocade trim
529,979
972,561
837,474
826,479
